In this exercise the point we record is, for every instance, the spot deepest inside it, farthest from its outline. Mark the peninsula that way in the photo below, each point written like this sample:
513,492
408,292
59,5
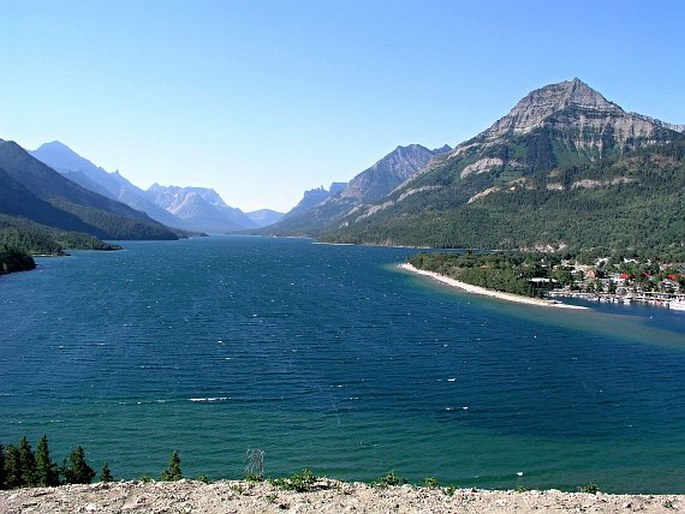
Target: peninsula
469,288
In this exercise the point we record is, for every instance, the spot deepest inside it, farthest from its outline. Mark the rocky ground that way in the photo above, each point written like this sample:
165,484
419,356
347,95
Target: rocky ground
325,496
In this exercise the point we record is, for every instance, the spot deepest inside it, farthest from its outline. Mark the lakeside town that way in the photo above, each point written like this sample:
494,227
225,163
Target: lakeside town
626,282
538,275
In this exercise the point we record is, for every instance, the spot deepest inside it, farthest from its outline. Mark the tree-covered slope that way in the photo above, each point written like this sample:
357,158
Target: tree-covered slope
635,201
12,259
37,239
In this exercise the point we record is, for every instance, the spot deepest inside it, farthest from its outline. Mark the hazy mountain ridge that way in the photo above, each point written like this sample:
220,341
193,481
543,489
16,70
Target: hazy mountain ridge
196,209
200,208
264,217
43,195
90,176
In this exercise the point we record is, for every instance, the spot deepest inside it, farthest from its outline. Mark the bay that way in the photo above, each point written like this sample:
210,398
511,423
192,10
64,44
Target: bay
328,357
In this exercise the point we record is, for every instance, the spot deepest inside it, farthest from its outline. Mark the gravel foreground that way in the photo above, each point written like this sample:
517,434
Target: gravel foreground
326,496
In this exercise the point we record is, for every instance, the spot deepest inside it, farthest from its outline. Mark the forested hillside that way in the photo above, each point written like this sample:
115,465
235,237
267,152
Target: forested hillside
36,239
636,201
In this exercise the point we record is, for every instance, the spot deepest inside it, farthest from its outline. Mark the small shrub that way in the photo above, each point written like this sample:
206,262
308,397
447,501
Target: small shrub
521,488
300,482
390,479
431,482
145,479
450,489
236,488
203,479
303,481
589,488
106,474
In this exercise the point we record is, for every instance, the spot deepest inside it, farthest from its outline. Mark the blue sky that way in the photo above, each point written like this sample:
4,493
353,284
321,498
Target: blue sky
261,100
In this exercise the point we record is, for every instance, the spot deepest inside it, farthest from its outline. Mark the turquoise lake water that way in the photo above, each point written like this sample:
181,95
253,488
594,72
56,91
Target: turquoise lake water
328,357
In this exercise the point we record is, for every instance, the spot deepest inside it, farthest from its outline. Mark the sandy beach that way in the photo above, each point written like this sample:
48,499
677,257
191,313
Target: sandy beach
488,292
326,496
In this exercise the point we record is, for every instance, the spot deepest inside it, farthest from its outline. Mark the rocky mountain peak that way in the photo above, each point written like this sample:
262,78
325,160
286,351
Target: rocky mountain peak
399,165
538,105
172,198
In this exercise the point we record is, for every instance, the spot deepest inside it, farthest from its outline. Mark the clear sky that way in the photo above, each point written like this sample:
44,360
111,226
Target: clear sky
262,100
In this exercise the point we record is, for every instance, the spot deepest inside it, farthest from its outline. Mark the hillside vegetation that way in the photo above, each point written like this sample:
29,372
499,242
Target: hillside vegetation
633,202
35,239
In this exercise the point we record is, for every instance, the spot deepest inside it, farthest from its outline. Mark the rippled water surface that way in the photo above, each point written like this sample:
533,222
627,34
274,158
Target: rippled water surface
330,358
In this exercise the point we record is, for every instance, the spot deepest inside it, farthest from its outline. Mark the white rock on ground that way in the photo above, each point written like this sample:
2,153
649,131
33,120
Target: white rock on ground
327,496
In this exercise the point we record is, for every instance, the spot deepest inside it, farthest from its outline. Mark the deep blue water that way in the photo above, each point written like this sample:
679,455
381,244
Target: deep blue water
330,358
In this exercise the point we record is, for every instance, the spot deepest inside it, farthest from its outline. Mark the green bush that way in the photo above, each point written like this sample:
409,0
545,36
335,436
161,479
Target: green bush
299,482
389,479
590,488
431,482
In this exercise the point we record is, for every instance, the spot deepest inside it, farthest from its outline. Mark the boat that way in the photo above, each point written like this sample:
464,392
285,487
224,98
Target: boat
677,305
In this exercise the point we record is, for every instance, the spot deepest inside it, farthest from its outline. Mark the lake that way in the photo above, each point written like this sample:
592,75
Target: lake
330,358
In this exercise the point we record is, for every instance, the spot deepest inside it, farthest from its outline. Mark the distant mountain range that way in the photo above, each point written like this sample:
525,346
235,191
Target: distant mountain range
321,210
199,209
186,208
31,190
565,168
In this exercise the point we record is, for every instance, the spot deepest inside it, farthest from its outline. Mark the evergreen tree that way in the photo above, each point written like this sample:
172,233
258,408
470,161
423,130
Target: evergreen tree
76,470
173,471
3,473
12,467
105,474
20,465
47,473
27,460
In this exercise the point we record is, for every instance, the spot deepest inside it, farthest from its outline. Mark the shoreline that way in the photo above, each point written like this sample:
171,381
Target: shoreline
325,496
488,292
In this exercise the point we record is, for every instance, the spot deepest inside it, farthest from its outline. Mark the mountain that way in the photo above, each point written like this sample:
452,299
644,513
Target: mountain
36,192
200,209
194,209
565,167
314,197
264,217
113,185
380,179
321,210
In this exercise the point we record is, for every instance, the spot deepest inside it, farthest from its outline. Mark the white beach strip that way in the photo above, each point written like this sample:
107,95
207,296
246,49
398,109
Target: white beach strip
488,292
